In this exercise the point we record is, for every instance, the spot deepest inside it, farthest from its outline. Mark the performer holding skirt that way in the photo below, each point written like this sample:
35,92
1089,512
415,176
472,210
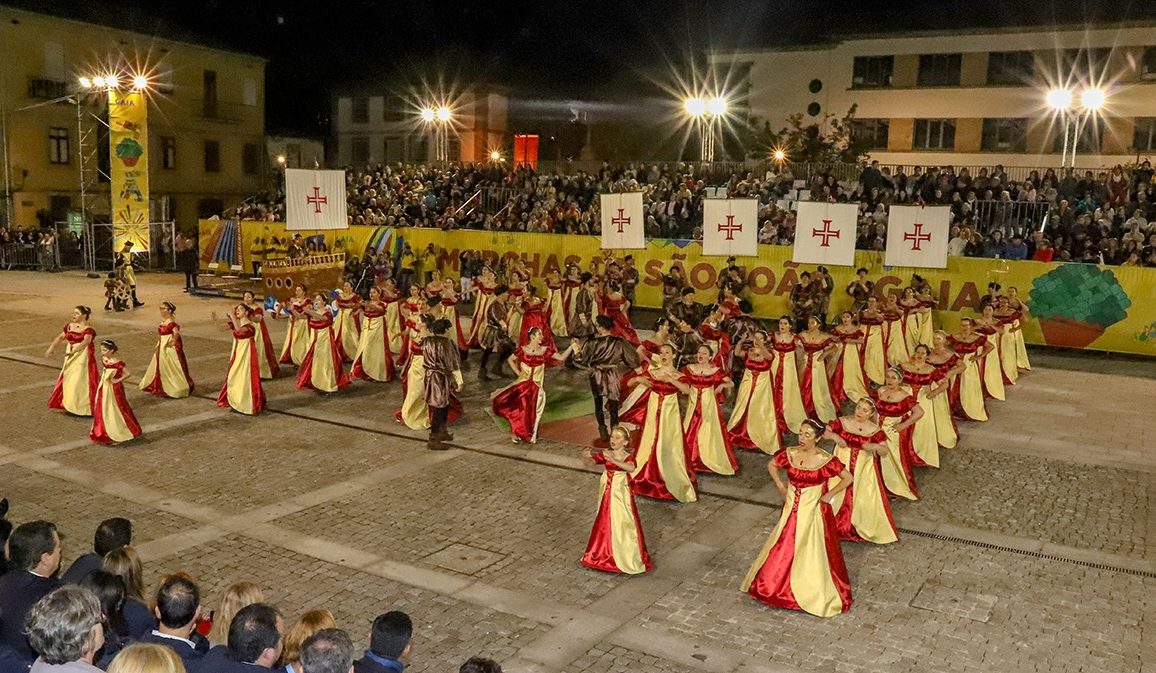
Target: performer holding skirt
898,411
874,344
346,325
267,359
816,394
801,566
373,360
662,471
414,412
1009,320
112,419
849,380
788,396
616,543
523,401
321,369
926,383
1021,309
534,315
242,390
450,299
167,374
393,320
863,511
76,386
967,392
990,366
751,425
896,342
617,308
297,337
708,446
484,285
556,305
950,366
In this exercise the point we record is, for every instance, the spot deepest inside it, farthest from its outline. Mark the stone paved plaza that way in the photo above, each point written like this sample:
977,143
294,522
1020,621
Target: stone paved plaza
1034,548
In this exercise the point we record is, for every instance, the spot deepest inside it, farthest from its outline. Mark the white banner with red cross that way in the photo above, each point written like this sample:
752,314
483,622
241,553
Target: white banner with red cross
917,236
730,227
315,199
623,221
825,233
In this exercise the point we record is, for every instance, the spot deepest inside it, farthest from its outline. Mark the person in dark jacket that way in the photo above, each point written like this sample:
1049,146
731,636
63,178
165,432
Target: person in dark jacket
34,555
178,604
254,642
389,644
110,534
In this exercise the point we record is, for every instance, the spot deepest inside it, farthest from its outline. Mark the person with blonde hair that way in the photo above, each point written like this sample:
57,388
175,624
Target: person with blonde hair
307,624
146,658
237,596
125,563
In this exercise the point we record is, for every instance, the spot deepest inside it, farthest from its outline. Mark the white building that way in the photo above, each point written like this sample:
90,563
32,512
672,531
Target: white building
966,97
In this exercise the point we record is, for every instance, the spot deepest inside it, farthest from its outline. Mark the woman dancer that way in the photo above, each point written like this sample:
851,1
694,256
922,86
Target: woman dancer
523,401
571,285
950,366
967,400
617,308
662,471
898,410
321,369
112,419
1009,320
414,412
874,343
633,408
517,291
716,337
484,286
267,359
896,342
750,426
1021,309
817,346
297,336
927,384
708,446
450,299
914,315
76,386
391,298
616,543
347,323
990,366
167,374
788,397
242,390
863,511
927,303
373,360
848,381
533,311
556,304
801,566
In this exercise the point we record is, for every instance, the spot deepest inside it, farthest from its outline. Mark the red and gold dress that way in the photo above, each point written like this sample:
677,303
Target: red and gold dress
849,381
946,431
514,319
719,342
482,300
321,369
76,386
393,330
534,315
896,342
622,326
167,374
990,367
813,387
863,510
297,336
874,349
966,392
414,412
924,434
346,330
801,566
523,401
267,358
1022,361
898,476
661,470
708,445
112,419
373,360
570,298
450,313
789,410
616,544
750,425
556,309
632,409
1007,349
242,390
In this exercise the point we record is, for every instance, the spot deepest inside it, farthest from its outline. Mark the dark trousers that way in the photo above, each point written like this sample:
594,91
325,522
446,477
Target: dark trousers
600,413
438,418
190,280
502,357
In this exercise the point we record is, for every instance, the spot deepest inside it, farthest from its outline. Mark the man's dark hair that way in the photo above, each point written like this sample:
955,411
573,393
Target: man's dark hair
327,651
480,665
253,630
109,589
433,301
439,326
112,534
177,600
29,542
390,634
586,276
604,321
687,290
500,290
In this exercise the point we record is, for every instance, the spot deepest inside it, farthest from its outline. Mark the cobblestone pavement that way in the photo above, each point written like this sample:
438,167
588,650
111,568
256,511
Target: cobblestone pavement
1031,551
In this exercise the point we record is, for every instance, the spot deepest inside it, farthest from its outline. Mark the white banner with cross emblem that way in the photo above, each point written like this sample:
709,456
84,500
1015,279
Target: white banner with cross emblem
917,236
730,227
315,199
825,233
622,221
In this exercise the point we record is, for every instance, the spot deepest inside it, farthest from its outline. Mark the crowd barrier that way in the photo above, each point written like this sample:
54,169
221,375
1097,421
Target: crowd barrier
1071,305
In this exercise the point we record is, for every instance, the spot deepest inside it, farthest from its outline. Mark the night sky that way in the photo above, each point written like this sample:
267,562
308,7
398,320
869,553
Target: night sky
548,50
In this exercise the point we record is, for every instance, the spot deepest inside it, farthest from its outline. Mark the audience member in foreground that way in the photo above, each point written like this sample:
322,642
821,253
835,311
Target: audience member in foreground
65,628
389,644
254,641
33,557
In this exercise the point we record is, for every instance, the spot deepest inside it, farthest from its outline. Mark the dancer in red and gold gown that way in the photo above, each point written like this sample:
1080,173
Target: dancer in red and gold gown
849,380
1009,319
556,316
449,311
633,407
391,298
484,285
662,471
967,400
898,411
874,342
76,386
751,424
414,413
927,383
347,322
801,566
410,309
914,315
167,374
373,360
617,308
716,337
990,366
533,311
708,444
523,401
321,369
242,390
863,511
297,336
788,396
950,366
267,358
616,543
817,346
1021,314
112,419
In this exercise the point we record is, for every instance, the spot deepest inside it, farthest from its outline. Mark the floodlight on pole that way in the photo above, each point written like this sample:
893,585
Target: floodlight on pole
695,107
1060,99
717,106
140,83
85,83
1092,99
444,114
427,114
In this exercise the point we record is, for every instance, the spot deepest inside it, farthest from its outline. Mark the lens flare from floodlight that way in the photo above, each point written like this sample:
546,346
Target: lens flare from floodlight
281,159
717,106
695,107
140,83
98,82
427,114
1092,99
85,83
1060,99
496,155
444,114
111,81
779,156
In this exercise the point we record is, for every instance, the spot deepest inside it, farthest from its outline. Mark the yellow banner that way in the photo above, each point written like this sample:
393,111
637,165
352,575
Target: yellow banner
128,154
261,241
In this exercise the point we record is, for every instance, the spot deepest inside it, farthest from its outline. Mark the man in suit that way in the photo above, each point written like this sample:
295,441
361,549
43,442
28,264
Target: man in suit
110,534
327,651
389,644
33,552
254,641
178,604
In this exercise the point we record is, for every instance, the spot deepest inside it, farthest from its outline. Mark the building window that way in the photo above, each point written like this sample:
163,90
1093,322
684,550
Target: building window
360,110
872,71
1010,68
1004,135
249,92
209,94
212,156
1144,137
360,150
168,152
58,145
207,208
251,159
939,69
1148,64
934,134
394,109
1084,65
871,132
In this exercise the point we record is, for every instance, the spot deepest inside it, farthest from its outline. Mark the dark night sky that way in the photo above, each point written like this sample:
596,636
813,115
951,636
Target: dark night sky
571,50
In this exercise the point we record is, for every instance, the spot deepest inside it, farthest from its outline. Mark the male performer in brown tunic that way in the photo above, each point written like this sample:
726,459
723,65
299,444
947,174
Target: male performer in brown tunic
603,354
583,307
686,308
859,290
443,380
496,334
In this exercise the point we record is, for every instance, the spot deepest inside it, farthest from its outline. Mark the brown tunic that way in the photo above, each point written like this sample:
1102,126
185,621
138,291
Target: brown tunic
496,335
582,324
442,370
692,314
602,355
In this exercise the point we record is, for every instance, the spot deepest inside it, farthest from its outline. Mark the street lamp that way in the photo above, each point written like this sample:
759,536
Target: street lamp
1062,101
705,113
439,119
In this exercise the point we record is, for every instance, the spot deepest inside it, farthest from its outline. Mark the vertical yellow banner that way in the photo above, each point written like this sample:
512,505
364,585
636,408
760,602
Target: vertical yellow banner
128,152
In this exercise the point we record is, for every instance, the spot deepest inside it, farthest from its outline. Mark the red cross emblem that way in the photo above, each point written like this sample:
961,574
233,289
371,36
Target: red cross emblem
316,200
826,233
620,221
730,228
917,237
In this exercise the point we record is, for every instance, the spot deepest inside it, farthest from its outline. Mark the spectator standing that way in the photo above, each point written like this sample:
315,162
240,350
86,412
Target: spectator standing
111,534
389,644
254,642
65,628
34,557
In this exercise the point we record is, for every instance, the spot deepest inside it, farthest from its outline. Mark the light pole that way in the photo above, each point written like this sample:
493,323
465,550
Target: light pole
1062,101
438,119
706,113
